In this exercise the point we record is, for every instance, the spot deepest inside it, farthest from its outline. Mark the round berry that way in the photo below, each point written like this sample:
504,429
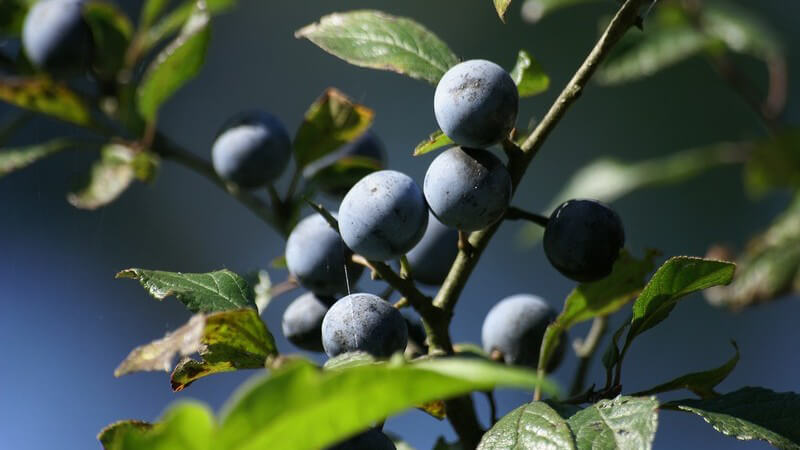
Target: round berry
583,239
364,322
468,189
56,37
317,257
302,321
476,103
252,149
383,216
432,257
515,327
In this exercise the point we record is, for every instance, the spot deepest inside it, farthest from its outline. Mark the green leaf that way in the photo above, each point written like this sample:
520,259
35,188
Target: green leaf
226,341
701,383
111,33
187,426
377,40
741,30
222,290
330,122
436,140
670,38
609,179
600,298
774,164
12,14
340,176
678,277
750,413
113,435
45,96
337,403
231,340
535,10
110,177
534,425
529,76
621,423
178,63
176,19
768,268
151,10
349,359
18,158
501,6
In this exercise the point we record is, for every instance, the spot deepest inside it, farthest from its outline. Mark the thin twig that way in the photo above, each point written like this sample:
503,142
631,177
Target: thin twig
585,349
514,213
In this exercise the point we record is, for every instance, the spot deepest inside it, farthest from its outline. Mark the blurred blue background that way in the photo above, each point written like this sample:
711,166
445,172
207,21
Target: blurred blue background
66,323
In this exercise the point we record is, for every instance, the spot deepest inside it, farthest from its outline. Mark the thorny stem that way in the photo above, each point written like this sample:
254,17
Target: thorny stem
464,420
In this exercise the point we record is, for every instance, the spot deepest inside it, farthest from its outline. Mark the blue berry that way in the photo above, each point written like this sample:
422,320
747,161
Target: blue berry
302,321
432,257
476,103
56,37
515,327
316,256
364,322
383,216
583,239
468,189
252,149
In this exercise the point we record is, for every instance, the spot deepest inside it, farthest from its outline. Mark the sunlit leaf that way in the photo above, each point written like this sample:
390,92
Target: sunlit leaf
330,122
45,96
109,178
377,40
535,10
113,436
177,18
501,6
529,76
436,140
178,63
159,354
222,290
12,159
531,426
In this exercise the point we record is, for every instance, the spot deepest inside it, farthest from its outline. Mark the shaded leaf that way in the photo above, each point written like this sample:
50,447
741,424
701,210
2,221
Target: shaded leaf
377,40
278,262
18,158
741,30
231,340
341,175
178,17
221,290
529,76
774,164
701,383
676,278
501,6
151,10
750,413
442,444
768,268
109,178
337,403
179,62
599,298
620,423
330,122
535,10
45,96
111,35
186,426
436,140
12,14
609,179
113,436
534,425
159,354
